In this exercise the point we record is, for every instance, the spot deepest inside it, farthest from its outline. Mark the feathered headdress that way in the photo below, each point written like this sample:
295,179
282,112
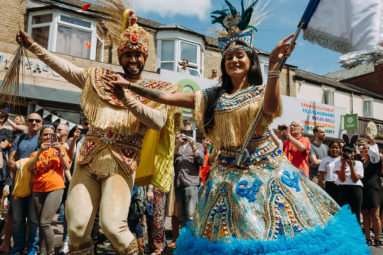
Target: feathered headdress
238,25
122,17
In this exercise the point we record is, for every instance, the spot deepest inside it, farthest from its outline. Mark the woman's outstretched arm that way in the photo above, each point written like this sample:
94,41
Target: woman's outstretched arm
181,99
272,93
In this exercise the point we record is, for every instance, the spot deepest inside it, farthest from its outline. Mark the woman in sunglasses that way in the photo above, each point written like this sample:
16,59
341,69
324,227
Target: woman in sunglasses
48,165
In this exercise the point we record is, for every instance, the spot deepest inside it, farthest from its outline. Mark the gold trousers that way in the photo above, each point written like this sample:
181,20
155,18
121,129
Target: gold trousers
88,193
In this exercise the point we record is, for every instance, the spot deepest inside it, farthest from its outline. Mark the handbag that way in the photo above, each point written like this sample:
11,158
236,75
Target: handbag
23,179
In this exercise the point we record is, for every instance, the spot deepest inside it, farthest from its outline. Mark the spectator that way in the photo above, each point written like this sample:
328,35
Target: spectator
136,213
156,220
5,139
296,146
18,126
372,189
350,171
184,68
23,208
62,131
206,167
318,151
74,147
188,159
327,171
214,75
48,165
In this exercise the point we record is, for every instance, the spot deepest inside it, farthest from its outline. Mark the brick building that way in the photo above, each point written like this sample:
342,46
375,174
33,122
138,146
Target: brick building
73,34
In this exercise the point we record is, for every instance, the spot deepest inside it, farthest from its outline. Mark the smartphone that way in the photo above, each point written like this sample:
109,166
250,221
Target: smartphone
53,138
84,131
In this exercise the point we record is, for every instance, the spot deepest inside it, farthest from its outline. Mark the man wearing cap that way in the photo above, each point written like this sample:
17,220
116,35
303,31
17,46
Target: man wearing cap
109,156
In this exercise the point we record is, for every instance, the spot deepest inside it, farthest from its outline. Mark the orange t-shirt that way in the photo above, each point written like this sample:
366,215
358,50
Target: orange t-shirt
297,158
49,171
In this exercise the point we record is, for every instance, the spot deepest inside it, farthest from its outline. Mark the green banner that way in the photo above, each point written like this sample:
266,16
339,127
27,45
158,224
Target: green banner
350,122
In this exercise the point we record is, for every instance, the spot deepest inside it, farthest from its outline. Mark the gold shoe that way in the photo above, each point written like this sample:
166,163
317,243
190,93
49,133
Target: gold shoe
132,249
81,249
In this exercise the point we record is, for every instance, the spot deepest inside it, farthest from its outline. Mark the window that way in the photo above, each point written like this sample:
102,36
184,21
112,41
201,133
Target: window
367,108
328,96
66,34
172,52
189,52
167,55
265,72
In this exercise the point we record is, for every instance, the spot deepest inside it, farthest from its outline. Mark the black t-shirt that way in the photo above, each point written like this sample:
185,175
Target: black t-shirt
372,172
5,135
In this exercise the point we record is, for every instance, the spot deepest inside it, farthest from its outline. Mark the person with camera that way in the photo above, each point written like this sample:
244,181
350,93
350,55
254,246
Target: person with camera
188,158
23,208
350,171
296,146
48,165
372,188
327,172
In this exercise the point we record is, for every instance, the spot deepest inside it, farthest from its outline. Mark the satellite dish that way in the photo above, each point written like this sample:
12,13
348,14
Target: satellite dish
372,128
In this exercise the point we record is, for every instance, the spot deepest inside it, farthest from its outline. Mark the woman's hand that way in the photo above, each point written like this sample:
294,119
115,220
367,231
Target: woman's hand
57,146
116,84
45,146
115,80
24,38
282,49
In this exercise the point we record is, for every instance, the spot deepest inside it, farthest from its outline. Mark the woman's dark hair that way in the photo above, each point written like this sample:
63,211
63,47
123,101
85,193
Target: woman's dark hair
254,77
3,114
45,126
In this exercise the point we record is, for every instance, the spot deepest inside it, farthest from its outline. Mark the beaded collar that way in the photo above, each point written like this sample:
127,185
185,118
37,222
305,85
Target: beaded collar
229,102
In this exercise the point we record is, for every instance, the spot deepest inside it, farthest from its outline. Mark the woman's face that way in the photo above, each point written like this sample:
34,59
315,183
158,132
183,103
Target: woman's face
334,150
45,134
17,120
237,63
363,148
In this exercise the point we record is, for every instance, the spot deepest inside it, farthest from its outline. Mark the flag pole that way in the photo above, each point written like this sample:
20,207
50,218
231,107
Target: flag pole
288,52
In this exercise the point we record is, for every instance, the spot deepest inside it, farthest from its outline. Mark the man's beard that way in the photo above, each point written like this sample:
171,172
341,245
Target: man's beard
130,74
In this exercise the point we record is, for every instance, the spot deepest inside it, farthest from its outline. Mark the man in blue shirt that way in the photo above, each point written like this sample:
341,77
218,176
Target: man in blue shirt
23,208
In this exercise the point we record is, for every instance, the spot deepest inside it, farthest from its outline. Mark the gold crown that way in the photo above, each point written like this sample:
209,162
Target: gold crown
133,37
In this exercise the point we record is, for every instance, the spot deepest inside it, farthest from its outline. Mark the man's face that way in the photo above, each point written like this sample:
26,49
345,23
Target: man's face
34,122
133,63
206,143
320,134
295,129
62,130
184,64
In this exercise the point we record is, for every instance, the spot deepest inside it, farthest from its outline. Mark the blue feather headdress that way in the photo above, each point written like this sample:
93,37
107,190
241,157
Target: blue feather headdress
238,25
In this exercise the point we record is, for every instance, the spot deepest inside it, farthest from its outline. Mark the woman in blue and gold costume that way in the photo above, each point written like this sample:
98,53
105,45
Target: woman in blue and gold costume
265,205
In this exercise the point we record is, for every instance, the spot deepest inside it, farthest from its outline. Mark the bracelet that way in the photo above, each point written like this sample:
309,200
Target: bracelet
273,74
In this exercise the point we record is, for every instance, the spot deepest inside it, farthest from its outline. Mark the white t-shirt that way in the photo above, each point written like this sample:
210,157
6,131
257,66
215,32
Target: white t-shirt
358,166
327,165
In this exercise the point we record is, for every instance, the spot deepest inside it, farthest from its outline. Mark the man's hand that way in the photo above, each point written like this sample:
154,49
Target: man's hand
150,195
76,134
115,80
24,38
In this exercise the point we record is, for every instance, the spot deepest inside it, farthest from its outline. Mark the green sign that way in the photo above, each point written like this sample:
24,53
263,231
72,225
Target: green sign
350,122
188,85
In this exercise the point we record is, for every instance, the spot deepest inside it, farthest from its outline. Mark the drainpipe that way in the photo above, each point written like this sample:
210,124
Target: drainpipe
352,103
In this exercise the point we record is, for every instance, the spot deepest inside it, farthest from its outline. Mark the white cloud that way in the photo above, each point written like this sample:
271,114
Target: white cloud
199,8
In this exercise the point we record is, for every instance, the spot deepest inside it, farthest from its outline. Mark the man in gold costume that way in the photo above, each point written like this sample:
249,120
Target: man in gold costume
122,126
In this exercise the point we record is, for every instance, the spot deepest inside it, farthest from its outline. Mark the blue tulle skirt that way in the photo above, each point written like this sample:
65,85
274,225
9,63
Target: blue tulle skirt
342,235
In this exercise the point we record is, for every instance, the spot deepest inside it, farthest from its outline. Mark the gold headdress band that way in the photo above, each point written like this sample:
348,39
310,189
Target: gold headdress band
133,37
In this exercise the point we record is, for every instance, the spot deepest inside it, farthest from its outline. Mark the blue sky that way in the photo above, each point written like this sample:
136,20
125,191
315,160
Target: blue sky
281,21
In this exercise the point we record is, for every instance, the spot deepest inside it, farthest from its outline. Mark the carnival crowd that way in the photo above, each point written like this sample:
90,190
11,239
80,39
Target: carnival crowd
350,177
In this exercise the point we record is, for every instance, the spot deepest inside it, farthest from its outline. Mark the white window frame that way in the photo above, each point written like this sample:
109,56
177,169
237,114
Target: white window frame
330,92
265,74
177,54
53,26
371,102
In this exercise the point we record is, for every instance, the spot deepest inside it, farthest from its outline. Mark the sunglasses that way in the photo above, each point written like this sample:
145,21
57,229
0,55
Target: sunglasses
34,120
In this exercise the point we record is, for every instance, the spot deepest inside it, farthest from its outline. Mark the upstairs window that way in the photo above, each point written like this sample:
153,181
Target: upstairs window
172,52
328,96
367,108
66,34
